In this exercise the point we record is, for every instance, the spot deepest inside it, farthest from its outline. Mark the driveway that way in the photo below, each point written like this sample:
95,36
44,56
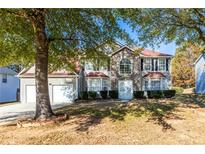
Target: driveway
11,113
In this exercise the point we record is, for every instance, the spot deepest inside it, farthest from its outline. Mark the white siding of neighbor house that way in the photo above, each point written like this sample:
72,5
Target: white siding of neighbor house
8,91
52,82
200,75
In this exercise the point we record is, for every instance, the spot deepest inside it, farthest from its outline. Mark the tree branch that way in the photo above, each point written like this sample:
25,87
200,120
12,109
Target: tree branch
61,39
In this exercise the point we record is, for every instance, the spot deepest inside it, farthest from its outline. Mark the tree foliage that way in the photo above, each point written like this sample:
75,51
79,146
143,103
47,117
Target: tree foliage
55,38
70,32
166,25
183,72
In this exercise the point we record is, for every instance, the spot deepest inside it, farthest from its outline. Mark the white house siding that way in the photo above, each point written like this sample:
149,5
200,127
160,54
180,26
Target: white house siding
8,90
52,82
200,75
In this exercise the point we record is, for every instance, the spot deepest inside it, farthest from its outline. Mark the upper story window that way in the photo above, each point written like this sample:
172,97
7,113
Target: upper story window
89,66
162,64
4,78
147,64
125,66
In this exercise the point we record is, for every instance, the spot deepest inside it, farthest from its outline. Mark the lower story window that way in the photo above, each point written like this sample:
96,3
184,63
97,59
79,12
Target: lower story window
104,84
94,85
155,85
146,85
97,84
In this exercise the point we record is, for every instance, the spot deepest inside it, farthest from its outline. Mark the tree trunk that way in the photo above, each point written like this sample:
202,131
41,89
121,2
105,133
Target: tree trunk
43,107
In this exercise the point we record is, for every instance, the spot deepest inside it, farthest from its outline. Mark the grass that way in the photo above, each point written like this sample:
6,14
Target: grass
179,120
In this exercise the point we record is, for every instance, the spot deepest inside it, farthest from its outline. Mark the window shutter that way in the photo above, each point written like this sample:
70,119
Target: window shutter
167,64
156,63
142,64
152,64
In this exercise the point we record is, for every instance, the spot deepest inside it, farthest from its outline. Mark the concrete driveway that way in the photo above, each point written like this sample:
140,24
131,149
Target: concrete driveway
12,113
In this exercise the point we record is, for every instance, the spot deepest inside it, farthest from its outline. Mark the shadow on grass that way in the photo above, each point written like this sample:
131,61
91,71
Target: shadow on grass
191,100
95,112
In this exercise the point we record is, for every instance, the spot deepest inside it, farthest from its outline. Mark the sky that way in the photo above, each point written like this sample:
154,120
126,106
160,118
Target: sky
163,48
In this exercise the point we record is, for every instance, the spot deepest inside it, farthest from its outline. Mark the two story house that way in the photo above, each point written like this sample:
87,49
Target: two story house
127,71
122,70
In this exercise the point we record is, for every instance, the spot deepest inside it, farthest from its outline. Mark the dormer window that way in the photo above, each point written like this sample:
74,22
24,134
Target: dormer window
125,66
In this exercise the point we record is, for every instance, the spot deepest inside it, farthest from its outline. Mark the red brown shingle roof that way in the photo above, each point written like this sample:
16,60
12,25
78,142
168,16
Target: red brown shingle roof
147,52
154,75
96,74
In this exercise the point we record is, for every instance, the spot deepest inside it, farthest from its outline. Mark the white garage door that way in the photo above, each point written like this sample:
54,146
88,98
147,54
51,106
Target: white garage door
30,94
63,93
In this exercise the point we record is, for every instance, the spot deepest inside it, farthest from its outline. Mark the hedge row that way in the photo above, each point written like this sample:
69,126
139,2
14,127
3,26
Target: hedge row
137,94
155,94
103,94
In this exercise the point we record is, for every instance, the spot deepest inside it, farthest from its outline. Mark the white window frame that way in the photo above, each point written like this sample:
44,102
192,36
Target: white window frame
103,84
90,83
163,83
147,64
131,67
155,80
162,66
146,87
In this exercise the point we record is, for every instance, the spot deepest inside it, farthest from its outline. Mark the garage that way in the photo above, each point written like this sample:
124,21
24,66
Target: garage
30,94
58,94
62,94
63,87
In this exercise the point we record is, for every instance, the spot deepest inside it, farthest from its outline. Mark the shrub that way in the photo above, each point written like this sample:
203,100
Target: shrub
113,94
103,94
179,90
155,94
84,95
169,93
139,94
92,94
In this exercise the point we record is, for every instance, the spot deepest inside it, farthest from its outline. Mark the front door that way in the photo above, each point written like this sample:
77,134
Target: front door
125,89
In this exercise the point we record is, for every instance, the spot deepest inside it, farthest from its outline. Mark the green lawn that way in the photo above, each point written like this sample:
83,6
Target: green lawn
179,120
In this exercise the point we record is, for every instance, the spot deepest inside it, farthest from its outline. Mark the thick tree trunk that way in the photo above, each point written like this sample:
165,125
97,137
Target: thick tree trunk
43,107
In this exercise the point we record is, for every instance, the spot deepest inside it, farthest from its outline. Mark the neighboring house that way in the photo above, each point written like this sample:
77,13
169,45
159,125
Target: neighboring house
124,71
63,86
9,84
200,74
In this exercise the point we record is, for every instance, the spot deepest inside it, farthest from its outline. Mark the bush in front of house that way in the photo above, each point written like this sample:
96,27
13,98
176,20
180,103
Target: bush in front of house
84,95
161,94
169,93
103,94
92,94
179,90
155,94
139,94
113,94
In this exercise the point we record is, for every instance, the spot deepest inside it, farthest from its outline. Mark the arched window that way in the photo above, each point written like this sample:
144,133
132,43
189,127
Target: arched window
125,66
